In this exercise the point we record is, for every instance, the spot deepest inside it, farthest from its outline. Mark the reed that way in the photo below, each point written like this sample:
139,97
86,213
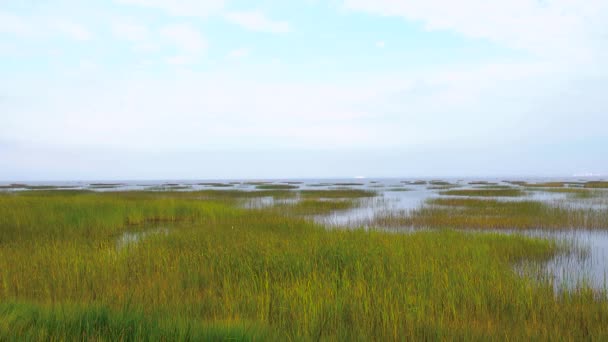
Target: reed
223,272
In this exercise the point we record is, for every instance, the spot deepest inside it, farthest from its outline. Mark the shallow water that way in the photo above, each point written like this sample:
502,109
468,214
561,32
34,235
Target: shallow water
131,238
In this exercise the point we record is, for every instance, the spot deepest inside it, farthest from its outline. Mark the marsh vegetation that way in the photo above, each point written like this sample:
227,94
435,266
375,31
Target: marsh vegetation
200,264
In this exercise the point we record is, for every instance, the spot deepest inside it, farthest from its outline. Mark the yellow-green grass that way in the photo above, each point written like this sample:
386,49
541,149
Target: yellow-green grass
471,213
276,187
338,193
484,192
495,187
225,273
546,185
218,185
597,185
577,193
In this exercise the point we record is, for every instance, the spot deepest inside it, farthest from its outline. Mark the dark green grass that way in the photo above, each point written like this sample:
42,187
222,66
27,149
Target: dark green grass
276,187
218,185
339,193
485,192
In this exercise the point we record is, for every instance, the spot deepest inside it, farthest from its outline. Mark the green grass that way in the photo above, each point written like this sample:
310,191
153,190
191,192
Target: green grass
338,193
576,193
546,185
223,273
276,187
218,185
485,192
596,185
471,213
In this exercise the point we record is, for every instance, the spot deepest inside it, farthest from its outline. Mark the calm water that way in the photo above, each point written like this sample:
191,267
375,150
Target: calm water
589,265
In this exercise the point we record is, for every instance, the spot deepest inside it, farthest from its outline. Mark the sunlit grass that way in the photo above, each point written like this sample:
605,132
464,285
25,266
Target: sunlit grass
223,273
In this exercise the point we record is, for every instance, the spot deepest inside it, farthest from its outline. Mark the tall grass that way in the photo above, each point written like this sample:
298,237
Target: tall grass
223,272
471,213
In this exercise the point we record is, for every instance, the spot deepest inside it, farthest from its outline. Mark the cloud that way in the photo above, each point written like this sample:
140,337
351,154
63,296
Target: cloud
187,8
72,30
42,27
185,37
239,53
257,21
130,31
13,24
380,44
566,28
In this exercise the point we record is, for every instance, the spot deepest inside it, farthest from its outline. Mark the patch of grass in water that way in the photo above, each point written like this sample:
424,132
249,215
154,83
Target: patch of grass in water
485,192
440,182
218,185
520,183
443,187
482,183
347,184
417,182
546,185
494,187
13,186
471,213
596,185
276,187
577,193
342,193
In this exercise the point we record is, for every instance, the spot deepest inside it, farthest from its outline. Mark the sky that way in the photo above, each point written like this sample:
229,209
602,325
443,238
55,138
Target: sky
222,89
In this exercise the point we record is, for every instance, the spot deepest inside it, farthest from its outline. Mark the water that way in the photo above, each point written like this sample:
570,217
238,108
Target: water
132,238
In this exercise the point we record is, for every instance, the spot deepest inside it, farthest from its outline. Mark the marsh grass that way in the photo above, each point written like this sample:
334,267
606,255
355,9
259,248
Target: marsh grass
575,193
471,213
485,192
493,187
546,185
276,187
596,185
482,183
337,193
218,185
227,273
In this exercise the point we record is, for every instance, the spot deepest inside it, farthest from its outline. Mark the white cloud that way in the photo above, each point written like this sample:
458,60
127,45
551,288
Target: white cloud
42,27
380,44
72,30
257,21
13,24
130,31
568,28
190,8
185,37
239,53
